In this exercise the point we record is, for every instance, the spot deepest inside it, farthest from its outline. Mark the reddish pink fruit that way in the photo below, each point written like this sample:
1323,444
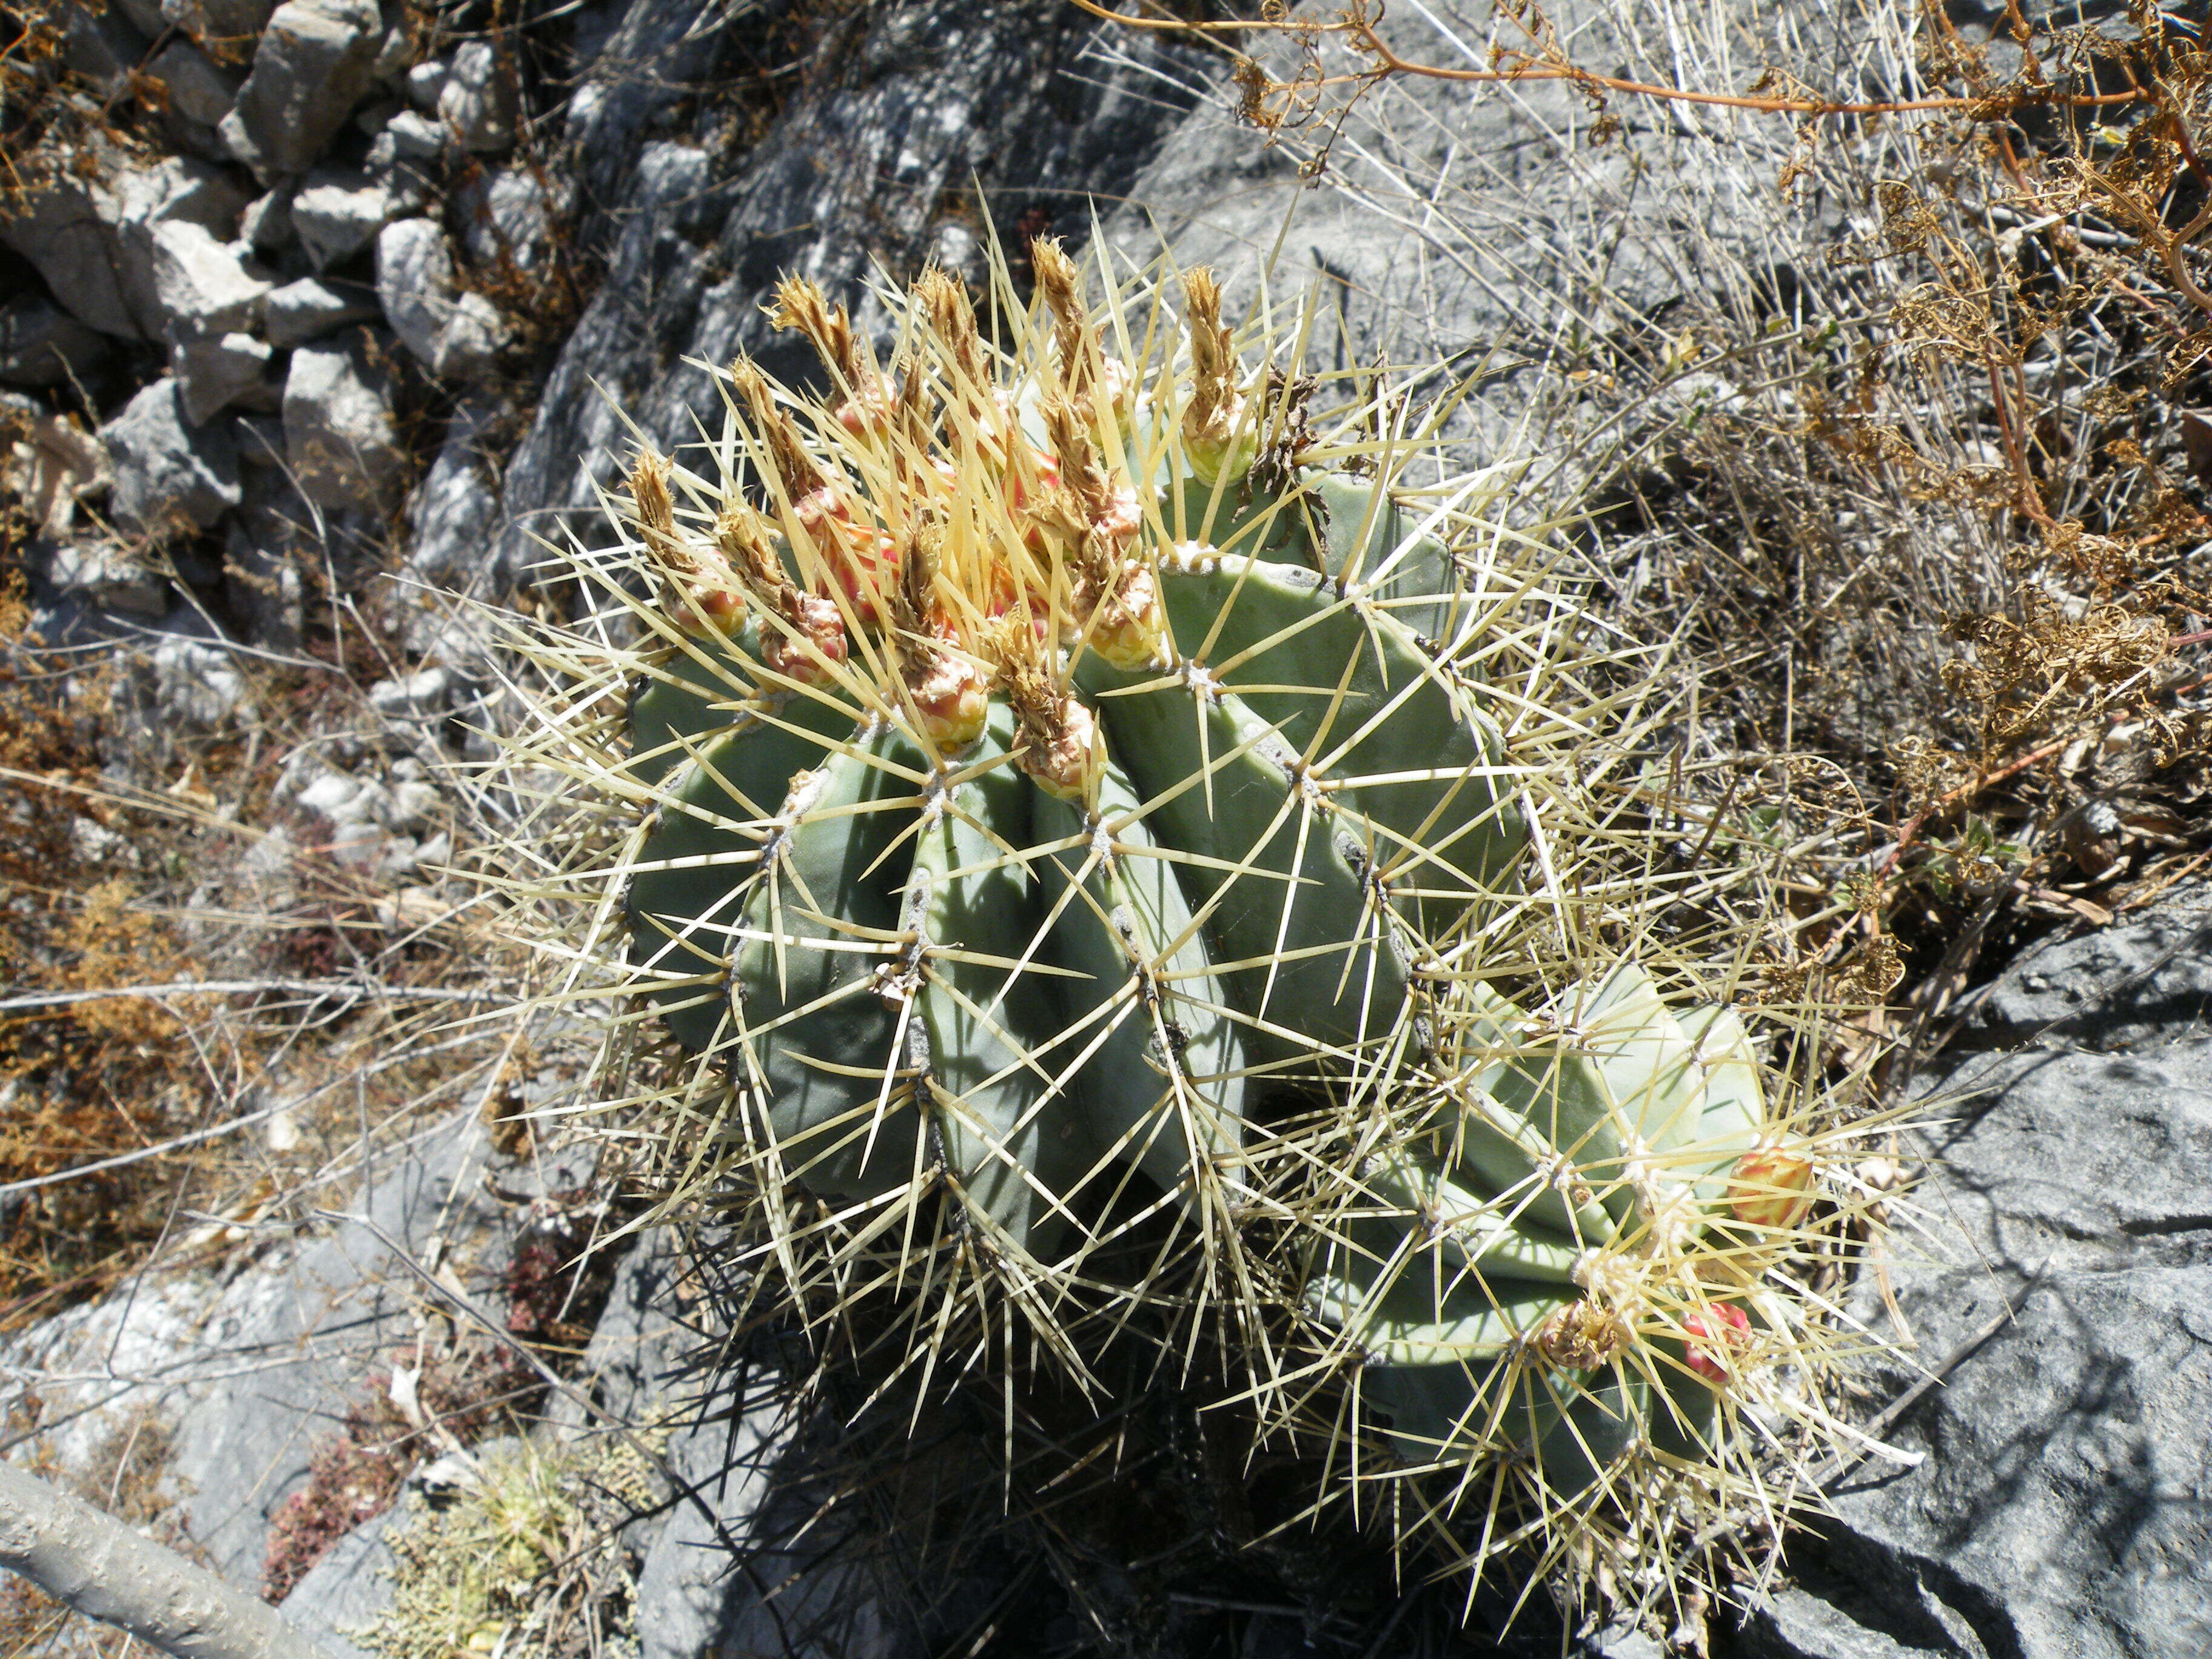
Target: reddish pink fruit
1714,1333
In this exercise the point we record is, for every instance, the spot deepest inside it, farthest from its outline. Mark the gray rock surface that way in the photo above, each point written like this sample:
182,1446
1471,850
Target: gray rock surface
107,576
506,215
477,99
90,231
167,468
199,89
454,334
338,212
313,307
2064,1508
202,283
213,373
315,61
340,434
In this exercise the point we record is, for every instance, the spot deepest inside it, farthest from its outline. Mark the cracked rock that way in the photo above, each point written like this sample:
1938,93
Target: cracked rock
167,470
212,374
339,433
476,100
316,60
339,210
108,577
407,136
453,334
312,306
90,231
198,90
506,213
202,283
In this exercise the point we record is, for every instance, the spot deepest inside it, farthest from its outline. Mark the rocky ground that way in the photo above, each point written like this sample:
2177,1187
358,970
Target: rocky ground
356,310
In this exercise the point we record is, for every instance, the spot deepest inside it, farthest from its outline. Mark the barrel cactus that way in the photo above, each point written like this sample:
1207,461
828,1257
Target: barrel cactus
1043,768
1069,835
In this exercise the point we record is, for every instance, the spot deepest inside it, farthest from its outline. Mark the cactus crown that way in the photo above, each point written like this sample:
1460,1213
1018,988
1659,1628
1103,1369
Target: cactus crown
1073,829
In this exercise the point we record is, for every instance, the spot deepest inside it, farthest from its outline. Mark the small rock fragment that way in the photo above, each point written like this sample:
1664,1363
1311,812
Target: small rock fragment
339,210
202,284
315,306
213,374
109,577
477,101
166,469
198,90
453,334
339,433
316,59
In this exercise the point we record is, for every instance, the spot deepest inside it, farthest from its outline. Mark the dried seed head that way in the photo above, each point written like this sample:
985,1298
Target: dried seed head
1581,1337
949,692
1215,412
945,301
1058,743
810,648
655,509
795,468
801,304
1061,284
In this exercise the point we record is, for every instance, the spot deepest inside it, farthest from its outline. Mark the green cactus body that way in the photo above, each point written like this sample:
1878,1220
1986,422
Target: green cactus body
1518,1269
1072,814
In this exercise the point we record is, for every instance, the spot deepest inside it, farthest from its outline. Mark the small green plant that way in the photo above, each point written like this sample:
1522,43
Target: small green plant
1076,832
527,1557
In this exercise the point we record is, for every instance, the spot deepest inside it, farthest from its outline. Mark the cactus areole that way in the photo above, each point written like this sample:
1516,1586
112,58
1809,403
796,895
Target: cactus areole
1044,765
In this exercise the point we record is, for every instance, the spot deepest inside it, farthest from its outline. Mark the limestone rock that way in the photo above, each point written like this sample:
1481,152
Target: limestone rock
266,225
507,216
312,306
339,210
42,345
340,436
476,100
198,90
316,59
425,81
167,470
407,136
452,333
90,231
213,374
2064,1276
101,46
105,574
202,284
